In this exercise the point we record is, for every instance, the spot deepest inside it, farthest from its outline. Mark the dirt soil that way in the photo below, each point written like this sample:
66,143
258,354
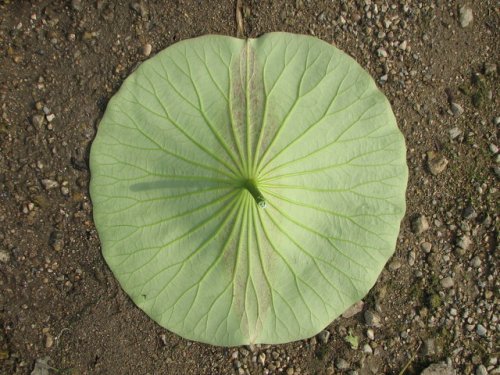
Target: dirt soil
436,301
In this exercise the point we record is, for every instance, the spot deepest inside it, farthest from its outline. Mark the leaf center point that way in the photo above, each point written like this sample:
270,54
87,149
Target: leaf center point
251,186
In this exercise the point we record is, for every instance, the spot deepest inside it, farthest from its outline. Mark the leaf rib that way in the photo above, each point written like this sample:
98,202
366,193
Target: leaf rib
164,150
209,123
266,105
333,213
302,135
266,277
222,251
167,117
315,259
346,163
327,238
285,119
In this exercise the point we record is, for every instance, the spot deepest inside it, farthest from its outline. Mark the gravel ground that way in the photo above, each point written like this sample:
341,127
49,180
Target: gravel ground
435,308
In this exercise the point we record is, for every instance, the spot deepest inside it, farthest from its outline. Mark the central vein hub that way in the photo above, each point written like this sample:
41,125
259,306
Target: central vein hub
251,186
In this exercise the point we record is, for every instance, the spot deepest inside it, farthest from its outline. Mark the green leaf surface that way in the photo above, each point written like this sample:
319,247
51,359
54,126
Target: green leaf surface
204,135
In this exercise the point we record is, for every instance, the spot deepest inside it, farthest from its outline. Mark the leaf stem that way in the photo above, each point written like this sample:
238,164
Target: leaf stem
251,186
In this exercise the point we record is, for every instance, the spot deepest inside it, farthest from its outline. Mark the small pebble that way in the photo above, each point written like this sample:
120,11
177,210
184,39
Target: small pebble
454,132
490,69
146,49
464,242
87,35
436,163
447,282
37,120
395,265
475,262
372,318
426,247
476,359
382,52
439,369
56,240
469,213
262,358
140,8
429,347
370,334
456,109
342,364
49,340
419,224
323,336
49,184
50,117
163,337
493,148
367,349
4,256
353,310
466,16
481,370
412,258
496,169
76,5
481,330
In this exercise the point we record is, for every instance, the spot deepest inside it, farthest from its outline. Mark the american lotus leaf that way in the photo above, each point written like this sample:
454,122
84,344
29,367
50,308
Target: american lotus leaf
248,191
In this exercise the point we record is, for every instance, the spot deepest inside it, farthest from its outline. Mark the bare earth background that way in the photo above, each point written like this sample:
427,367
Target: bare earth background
436,301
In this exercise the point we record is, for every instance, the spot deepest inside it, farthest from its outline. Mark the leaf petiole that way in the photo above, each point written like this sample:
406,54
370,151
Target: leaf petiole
251,186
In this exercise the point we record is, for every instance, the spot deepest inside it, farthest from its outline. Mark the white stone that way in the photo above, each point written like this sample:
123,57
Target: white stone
367,349
466,16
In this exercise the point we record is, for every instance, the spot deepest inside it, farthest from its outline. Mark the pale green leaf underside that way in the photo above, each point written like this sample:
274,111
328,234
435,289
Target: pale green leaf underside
188,242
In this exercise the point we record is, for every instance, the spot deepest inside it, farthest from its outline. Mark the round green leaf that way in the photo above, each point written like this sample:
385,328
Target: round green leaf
248,191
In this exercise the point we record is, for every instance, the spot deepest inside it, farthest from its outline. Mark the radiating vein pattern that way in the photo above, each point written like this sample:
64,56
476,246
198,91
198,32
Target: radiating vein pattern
179,221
